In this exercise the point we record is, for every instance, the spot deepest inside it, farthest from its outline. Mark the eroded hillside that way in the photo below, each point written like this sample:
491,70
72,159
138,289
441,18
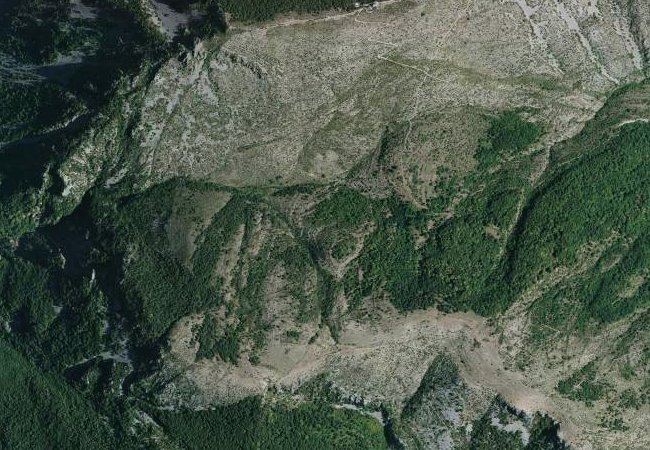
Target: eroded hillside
417,224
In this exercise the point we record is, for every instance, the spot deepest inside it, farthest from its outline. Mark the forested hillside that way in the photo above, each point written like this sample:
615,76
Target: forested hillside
356,226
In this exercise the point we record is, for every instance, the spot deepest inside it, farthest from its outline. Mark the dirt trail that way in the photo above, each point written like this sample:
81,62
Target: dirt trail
387,359
467,337
484,367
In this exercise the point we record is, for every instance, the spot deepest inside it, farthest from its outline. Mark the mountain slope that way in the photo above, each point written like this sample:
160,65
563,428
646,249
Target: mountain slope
412,219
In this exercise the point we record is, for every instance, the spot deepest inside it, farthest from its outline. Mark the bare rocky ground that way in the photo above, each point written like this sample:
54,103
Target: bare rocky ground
303,99
383,362
381,356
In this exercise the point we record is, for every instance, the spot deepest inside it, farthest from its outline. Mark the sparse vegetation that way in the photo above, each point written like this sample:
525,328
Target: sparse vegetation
184,201
441,374
543,431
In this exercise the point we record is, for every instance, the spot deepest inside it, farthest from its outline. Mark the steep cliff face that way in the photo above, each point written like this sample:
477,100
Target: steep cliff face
639,14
